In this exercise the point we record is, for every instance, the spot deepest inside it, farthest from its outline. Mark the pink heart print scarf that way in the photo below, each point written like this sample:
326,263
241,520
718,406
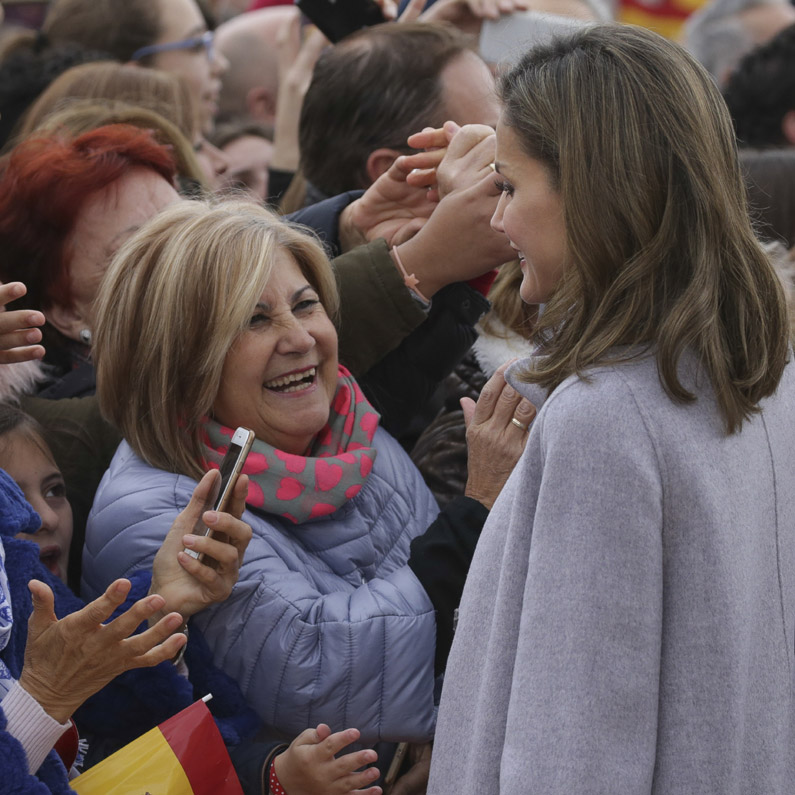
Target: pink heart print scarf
299,487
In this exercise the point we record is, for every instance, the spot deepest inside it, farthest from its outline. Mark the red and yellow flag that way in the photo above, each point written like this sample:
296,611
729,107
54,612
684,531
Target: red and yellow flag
666,17
185,755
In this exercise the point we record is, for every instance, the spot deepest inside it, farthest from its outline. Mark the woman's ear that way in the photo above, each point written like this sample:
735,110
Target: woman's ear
788,127
68,320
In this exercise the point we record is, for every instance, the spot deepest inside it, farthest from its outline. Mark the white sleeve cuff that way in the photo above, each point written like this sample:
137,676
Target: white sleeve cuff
28,723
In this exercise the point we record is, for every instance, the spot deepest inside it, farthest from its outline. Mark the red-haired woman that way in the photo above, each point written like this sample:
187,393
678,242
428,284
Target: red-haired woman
65,208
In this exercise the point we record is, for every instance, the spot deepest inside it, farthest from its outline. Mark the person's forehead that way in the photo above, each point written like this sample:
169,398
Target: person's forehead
180,19
468,91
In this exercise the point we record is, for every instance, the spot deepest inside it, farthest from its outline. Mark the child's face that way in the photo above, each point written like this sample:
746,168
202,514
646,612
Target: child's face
26,459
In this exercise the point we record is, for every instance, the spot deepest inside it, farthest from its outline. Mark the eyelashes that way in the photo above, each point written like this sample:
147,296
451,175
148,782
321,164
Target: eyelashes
503,186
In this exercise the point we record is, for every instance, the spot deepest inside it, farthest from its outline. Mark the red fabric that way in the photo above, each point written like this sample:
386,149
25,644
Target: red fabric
196,742
483,283
267,4
67,745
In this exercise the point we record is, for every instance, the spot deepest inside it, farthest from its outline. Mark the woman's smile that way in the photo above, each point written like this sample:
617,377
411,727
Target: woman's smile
291,383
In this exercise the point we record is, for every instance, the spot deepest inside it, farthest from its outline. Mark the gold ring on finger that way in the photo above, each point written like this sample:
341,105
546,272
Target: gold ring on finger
520,424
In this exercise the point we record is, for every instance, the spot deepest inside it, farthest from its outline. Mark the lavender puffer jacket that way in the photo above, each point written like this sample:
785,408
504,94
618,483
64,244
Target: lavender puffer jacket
327,623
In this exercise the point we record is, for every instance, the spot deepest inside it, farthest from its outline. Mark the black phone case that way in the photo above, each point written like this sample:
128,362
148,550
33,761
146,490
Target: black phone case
337,19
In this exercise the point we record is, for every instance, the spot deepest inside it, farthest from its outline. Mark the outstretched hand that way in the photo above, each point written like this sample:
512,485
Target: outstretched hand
454,158
186,584
19,332
68,660
390,208
296,61
494,441
310,765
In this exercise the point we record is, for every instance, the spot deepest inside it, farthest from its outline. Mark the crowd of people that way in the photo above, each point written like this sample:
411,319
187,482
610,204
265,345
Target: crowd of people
513,338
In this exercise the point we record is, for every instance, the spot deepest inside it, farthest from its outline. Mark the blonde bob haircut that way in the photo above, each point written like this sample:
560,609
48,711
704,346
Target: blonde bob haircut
661,254
174,300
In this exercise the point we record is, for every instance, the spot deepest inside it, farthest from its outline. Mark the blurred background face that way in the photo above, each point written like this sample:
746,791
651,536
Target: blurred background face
214,163
107,219
248,157
468,91
200,67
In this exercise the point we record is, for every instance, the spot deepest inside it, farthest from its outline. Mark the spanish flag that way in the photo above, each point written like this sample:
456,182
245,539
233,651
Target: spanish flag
185,755
663,16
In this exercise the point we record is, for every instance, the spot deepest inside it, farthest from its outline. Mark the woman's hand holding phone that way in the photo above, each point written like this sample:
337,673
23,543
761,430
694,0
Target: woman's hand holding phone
189,585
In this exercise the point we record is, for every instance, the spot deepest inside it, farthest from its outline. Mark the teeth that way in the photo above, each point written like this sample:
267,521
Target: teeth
290,379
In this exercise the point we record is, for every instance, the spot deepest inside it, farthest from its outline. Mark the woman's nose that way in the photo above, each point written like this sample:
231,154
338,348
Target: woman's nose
295,339
496,219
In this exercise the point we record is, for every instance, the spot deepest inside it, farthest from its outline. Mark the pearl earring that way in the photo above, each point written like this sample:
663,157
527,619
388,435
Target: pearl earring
85,336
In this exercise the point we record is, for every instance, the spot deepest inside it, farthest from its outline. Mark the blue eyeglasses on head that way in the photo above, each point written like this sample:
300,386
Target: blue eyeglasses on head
205,40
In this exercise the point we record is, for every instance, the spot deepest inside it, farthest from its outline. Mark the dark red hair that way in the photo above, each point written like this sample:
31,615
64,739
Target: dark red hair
44,183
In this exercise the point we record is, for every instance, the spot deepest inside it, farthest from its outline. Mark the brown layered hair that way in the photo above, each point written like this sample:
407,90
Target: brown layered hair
661,253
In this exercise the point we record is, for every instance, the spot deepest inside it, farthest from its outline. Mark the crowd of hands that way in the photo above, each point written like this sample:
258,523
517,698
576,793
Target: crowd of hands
435,206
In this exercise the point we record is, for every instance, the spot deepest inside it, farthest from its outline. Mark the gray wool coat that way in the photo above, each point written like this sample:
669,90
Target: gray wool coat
627,624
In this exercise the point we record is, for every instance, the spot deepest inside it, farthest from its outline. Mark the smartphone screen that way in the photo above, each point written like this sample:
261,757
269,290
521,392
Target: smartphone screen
337,19
230,469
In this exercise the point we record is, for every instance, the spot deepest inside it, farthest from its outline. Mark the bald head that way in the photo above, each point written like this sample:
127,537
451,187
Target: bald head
249,43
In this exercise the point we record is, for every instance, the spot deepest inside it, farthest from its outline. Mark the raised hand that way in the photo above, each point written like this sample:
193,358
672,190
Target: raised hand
19,332
296,61
311,766
186,584
68,660
494,440
454,158
390,208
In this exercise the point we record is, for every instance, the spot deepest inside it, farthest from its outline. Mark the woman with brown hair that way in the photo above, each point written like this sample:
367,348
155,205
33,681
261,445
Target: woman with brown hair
628,619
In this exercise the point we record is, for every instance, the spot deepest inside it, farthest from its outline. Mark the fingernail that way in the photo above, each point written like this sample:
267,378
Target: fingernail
155,601
118,588
189,540
33,336
210,517
35,319
17,290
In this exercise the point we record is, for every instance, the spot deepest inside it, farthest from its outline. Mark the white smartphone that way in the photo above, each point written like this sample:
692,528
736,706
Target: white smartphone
230,468
505,40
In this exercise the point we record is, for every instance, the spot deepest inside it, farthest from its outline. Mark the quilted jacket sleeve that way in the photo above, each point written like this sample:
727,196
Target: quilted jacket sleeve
305,644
